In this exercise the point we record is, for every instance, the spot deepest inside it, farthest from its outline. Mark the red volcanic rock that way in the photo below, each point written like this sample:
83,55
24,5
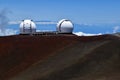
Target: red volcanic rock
19,52
22,52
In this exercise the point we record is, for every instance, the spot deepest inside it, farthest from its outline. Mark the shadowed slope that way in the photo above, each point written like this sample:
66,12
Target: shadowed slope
101,63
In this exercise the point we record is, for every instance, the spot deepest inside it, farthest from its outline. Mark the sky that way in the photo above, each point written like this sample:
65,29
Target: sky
89,16
79,11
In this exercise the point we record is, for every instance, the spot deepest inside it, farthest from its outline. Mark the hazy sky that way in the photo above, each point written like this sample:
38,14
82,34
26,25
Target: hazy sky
79,11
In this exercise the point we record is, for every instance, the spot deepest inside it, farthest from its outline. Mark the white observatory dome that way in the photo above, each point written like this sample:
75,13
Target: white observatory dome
27,27
65,26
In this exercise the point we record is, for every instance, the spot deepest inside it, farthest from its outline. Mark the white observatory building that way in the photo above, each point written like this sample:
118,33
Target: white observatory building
27,27
64,26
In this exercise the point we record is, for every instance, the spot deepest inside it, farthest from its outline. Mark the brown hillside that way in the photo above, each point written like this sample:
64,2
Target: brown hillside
60,57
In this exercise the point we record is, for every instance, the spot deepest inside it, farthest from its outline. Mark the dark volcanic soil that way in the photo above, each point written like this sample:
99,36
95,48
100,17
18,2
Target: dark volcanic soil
60,57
